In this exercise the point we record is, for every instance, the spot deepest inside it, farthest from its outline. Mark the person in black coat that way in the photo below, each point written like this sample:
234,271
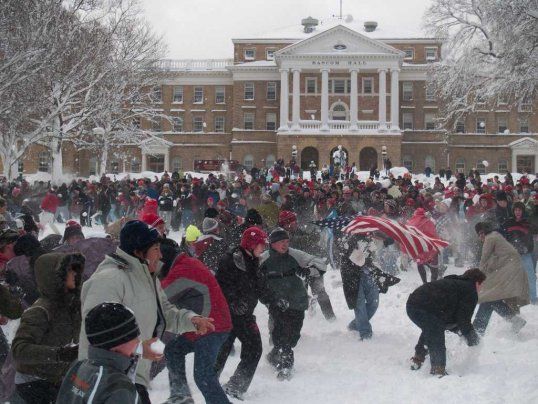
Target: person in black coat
243,284
445,304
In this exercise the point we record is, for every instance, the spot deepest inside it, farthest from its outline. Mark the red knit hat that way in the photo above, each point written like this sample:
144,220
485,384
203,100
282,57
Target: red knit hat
286,217
252,237
152,220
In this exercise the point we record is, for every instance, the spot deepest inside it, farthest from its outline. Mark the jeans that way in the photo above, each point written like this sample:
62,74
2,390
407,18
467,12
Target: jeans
246,330
367,303
528,264
205,351
432,335
485,310
187,218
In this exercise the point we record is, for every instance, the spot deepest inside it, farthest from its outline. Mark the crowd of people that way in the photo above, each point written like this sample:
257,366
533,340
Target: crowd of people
95,311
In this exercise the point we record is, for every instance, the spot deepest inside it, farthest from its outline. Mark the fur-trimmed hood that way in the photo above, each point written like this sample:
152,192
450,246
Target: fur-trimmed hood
51,272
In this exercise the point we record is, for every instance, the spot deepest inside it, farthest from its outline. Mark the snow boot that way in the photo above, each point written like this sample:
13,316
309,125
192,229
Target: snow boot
233,391
439,371
284,374
416,361
517,323
179,400
273,358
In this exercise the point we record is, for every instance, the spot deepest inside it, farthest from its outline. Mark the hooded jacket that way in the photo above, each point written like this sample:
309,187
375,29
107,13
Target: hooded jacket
123,278
52,322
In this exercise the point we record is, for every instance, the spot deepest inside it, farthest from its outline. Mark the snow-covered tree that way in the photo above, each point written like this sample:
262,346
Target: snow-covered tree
491,53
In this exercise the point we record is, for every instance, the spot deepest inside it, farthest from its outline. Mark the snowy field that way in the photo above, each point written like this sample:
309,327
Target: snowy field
333,366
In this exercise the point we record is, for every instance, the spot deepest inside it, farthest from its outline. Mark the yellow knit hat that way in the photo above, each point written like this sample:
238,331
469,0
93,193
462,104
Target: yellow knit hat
192,233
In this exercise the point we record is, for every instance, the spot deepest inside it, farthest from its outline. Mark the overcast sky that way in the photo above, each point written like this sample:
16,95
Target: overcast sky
204,28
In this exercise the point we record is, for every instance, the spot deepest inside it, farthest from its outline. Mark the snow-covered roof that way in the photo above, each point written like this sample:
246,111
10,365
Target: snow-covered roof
296,32
257,63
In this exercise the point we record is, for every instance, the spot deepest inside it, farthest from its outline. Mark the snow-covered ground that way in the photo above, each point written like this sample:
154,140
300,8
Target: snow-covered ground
334,366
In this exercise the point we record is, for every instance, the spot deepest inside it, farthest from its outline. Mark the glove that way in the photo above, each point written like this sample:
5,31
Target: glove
282,305
67,353
302,273
472,338
238,309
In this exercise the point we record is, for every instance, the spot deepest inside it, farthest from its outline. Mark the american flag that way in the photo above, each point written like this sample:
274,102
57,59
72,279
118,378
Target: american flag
336,223
412,241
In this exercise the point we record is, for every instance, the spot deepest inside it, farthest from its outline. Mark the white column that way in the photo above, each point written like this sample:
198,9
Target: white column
353,100
514,161
144,161
394,99
324,99
382,99
284,100
167,159
295,113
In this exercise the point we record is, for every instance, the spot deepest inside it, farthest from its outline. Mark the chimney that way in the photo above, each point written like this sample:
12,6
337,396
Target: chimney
370,26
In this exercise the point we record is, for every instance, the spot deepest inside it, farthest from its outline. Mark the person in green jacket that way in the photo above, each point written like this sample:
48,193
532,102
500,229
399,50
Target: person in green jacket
107,376
283,273
46,341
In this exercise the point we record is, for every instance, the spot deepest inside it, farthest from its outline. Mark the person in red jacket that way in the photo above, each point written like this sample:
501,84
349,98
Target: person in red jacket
191,285
430,260
49,205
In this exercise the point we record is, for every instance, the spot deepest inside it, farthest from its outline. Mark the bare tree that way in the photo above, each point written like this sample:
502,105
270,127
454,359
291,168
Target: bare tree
491,53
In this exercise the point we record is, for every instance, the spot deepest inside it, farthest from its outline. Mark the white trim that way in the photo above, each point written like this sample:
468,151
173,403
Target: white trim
252,141
99,376
207,80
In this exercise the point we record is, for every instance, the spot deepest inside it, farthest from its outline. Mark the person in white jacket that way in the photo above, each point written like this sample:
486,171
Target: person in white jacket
129,277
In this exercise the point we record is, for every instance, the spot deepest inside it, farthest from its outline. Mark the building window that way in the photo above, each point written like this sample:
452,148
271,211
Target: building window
115,167
44,161
460,127
409,54
502,100
177,96
480,167
407,91
407,120
270,121
92,166
248,162
270,54
270,161
525,105
430,92
248,120
198,95
429,161
157,94
339,112
156,163
178,124
220,95
176,164
250,54
311,85
431,54
271,91
460,165
156,124
523,125
219,124
502,167
249,91
20,166
368,85
407,162
429,121
480,125
198,124
135,165
502,124
339,86
480,102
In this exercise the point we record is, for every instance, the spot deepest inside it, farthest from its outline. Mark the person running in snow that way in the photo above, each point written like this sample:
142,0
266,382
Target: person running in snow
210,247
243,285
46,341
107,376
429,260
446,304
506,288
129,277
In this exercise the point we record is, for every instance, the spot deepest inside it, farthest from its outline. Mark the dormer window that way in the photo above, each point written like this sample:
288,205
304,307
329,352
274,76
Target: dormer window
409,54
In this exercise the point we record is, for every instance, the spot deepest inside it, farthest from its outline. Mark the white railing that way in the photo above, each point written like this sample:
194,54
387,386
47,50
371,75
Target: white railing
194,64
341,126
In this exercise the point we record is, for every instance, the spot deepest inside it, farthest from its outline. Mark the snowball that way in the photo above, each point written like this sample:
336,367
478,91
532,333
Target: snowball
157,347
486,163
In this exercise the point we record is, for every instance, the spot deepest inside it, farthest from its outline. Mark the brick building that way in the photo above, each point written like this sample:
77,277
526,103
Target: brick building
315,87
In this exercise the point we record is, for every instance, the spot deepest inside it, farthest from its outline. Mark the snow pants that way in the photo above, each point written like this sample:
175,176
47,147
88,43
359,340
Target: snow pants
286,333
485,310
319,292
432,335
246,331
205,351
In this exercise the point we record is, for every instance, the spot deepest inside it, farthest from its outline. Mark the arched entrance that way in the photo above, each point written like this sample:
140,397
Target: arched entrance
367,158
331,154
309,154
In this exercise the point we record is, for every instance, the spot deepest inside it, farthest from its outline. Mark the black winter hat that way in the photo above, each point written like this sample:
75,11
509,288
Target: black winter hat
26,245
73,230
137,235
8,236
278,234
211,212
253,217
501,196
108,325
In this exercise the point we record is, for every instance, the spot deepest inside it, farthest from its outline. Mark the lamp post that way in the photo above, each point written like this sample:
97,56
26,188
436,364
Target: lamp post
384,155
